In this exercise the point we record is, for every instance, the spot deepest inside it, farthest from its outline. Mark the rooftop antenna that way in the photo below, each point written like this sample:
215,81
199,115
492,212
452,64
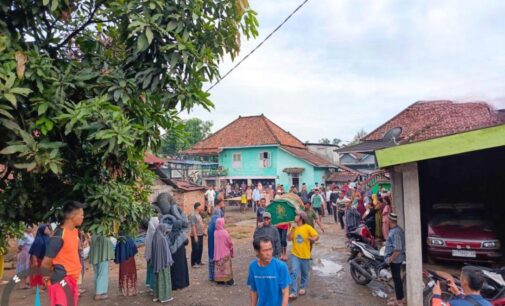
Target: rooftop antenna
392,135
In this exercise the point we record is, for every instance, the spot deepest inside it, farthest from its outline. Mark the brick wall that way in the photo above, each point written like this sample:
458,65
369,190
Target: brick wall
188,199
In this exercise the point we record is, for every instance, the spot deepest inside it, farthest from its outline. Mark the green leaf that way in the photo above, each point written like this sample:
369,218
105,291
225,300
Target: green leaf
149,35
14,149
42,108
49,125
51,145
172,25
142,43
6,114
11,125
10,81
54,5
21,91
45,2
53,153
54,168
11,98
27,166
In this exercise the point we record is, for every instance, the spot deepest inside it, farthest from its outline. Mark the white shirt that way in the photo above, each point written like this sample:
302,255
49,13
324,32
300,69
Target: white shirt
211,194
328,195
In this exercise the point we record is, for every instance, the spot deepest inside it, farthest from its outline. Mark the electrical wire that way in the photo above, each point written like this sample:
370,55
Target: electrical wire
258,46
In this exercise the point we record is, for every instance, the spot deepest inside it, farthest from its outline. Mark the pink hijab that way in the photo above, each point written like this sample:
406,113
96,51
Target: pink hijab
223,246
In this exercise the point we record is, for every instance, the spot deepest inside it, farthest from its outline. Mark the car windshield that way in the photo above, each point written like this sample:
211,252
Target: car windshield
462,217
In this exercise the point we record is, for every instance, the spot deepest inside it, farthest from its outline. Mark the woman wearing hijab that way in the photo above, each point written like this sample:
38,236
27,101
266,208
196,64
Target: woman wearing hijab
82,243
23,258
223,253
179,271
162,260
369,217
385,216
100,252
378,216
37,252
210,242
151,229
125,257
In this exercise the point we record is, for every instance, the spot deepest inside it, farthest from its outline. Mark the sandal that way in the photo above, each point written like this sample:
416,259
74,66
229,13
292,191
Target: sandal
301,292
293,296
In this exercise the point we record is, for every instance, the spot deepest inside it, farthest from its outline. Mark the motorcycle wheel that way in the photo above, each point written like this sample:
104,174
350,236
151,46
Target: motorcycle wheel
359,278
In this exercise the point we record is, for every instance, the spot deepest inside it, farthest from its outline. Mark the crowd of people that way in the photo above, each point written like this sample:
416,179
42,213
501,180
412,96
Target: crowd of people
273,277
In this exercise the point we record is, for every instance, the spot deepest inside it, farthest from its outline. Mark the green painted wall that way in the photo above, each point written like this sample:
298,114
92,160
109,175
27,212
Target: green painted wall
375,187
280,160
319,174
286,160
250,161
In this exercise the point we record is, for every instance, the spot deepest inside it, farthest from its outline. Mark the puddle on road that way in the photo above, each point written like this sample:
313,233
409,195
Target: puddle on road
327,267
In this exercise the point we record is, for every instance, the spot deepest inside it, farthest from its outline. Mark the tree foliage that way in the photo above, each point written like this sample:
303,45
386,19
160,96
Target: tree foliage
324,141
85,88
194,130
358,136
334,141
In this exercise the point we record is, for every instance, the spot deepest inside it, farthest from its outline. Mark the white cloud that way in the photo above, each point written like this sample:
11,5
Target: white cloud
338,66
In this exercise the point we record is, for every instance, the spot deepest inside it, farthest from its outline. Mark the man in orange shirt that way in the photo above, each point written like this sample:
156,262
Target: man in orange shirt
62,258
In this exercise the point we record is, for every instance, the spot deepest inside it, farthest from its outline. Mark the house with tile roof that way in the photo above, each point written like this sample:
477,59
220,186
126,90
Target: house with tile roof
420,121
447,155
428,119
253,149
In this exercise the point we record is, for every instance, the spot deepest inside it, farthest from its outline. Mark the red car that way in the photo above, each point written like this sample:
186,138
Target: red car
462,232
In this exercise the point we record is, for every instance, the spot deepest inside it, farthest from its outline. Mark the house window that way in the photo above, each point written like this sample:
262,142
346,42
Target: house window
265,160
237,160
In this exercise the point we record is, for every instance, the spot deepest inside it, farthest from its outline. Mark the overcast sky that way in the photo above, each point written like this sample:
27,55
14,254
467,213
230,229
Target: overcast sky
340,66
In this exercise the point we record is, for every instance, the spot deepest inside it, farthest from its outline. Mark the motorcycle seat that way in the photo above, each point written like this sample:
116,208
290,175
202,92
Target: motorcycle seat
373,251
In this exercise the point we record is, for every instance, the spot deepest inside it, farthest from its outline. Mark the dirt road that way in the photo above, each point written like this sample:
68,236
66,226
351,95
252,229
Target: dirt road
330,282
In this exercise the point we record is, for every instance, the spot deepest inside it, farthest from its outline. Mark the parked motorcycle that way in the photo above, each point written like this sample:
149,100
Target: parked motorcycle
361,234
493,289
367,264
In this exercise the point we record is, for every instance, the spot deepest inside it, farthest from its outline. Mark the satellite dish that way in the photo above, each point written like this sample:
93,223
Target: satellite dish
392,135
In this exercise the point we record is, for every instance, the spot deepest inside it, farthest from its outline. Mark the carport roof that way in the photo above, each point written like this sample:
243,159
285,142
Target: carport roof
474,140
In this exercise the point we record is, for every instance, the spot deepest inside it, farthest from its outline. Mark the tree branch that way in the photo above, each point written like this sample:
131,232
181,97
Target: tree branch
84,25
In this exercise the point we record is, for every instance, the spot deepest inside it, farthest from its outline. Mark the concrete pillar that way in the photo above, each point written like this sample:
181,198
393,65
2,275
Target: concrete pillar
413,237
397,182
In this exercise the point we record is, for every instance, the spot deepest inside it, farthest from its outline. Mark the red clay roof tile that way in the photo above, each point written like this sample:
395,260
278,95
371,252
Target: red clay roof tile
430,119
245,132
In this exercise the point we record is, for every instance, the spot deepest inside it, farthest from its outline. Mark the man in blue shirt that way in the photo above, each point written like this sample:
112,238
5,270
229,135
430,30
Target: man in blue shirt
395,255
268,277
471,282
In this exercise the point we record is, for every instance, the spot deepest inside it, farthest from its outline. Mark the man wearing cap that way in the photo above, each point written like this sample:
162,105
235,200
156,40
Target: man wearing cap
301,234
266,229
395,256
